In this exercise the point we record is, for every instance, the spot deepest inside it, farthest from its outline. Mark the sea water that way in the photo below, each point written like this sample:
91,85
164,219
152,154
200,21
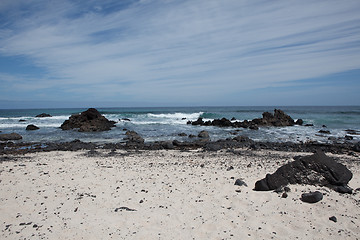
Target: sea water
161,124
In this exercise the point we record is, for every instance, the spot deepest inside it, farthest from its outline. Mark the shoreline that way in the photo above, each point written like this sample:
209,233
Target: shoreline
10,147
166,194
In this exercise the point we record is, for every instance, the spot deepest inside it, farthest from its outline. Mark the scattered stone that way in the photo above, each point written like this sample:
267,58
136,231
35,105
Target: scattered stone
284,195
125,208
333,218
43,115
240,182
312,197
32,127
10,136
88,121
317,169
125,119
22,120
182,134
230,168
309,125
324,131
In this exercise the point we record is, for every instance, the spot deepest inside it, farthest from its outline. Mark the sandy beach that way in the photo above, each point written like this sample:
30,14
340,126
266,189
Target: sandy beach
166,195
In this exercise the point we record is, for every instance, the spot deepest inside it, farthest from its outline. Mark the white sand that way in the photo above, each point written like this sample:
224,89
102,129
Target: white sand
69,195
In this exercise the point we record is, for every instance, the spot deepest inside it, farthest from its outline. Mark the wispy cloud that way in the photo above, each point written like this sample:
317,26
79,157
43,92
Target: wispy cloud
176,49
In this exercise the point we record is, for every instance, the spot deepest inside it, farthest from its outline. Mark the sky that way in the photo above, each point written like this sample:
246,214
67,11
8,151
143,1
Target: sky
116,53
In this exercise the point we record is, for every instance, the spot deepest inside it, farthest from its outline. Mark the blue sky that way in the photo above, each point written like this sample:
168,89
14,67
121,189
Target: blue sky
179,53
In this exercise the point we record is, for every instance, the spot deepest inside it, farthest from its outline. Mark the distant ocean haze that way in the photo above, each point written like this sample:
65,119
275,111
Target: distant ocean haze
160,124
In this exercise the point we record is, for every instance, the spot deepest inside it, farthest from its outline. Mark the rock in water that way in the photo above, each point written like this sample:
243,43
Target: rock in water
43,115
32,127
312,197
134,137
317,169
204,134
10,136
88,121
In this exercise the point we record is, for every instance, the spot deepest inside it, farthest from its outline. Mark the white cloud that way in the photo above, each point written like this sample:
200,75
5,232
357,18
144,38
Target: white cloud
172,49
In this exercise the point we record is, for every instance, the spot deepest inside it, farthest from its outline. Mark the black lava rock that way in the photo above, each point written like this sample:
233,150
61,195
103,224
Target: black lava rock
240,182
317,169
32,127
312,197
43,115
333,218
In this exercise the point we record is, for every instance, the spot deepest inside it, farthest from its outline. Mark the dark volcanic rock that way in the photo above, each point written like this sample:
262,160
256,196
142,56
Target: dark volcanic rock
88,121
22,120
317,169
312,197
10,136
356,147
203,134
279,119
324,131
43,115
347,137
240,182
32,127
133,137
333,218
343,189
299,122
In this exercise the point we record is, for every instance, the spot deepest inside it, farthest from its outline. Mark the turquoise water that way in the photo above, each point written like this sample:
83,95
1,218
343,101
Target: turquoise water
156,124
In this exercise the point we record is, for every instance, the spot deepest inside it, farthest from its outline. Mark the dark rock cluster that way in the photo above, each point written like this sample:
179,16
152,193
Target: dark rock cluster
278,119
317,169
88,121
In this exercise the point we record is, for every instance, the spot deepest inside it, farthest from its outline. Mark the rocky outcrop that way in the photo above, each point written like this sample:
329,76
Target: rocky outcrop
88,121
32,127
317,169
43,115
10,136
278,119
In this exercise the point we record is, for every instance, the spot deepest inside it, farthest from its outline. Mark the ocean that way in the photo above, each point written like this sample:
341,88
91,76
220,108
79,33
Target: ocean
166,123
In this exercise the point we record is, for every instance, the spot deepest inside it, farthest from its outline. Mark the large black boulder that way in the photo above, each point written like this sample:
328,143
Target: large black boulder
88,121
317,169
